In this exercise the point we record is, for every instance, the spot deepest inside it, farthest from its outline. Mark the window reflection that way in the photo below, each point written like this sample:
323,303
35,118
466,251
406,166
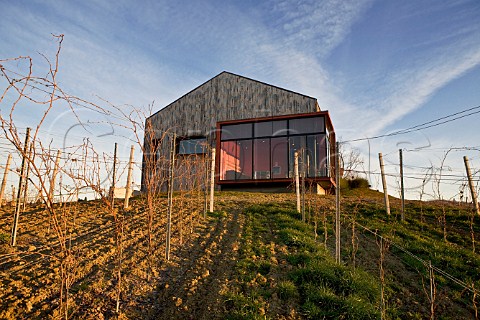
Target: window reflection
307,125
261,159
228,160
244,156
316,156
271,154
262,129
237,131
192,146
296,144
279,128
279,150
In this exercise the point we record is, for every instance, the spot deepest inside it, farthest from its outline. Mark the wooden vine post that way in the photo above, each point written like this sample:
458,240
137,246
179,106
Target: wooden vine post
303,184
212,180
114,174
13,203
402,188
25,191
21,184
128,187
471,184
170,198
297,180
384,183
337,203
206,186
5,178
118,230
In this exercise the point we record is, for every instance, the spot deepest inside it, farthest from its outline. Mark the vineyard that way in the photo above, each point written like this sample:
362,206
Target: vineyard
253,258
69,248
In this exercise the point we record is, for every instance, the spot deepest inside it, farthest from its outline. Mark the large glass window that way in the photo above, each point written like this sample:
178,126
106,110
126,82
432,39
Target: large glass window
265,150
270,128
228,160
261,159
237,131
316,156
296,144
262,129
244,152
307,125
279,128
279,151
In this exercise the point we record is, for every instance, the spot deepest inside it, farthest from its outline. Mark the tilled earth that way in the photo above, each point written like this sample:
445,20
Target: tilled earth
188,286
202,279
191,284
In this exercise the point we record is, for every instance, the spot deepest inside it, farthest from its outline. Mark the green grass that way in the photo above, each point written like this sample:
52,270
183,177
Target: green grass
287,290
423,235
308,279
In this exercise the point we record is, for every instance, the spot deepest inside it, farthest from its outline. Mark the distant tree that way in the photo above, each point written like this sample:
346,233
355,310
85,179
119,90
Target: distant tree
351,161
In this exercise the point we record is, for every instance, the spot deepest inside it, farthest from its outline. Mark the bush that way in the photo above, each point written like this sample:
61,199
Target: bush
354,183
358,183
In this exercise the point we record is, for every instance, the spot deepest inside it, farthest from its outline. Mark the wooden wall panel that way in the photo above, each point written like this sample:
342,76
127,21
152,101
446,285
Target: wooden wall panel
228,97
224,97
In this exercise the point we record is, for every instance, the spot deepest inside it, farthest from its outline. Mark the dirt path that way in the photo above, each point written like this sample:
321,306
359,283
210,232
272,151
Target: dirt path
193,281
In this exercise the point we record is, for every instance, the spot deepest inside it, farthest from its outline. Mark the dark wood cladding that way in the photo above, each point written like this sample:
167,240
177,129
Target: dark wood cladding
228,97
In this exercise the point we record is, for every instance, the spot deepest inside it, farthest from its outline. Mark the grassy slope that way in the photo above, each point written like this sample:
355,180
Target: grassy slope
284,273
306,283
440,232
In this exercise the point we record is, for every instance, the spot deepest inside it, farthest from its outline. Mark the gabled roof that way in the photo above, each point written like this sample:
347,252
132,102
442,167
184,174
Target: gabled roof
235,75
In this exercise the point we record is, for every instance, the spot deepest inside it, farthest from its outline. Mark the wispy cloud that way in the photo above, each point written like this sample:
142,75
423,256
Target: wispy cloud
420,84
136,54
318,25
290,43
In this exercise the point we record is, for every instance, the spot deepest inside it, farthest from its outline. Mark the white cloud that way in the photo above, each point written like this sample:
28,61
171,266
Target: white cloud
414,87
102,56
290,55
318,25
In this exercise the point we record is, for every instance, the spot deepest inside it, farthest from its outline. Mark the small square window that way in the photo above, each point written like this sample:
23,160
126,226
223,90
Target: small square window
192,146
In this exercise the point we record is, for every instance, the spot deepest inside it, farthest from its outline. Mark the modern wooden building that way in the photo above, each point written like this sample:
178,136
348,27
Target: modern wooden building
255,128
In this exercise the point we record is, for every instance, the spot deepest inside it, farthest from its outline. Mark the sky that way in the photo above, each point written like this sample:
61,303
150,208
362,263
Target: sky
376,66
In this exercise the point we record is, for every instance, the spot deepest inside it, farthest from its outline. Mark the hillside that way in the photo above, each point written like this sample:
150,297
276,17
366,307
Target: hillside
253,258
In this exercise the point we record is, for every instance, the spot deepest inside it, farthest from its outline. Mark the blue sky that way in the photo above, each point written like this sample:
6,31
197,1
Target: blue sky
377,66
